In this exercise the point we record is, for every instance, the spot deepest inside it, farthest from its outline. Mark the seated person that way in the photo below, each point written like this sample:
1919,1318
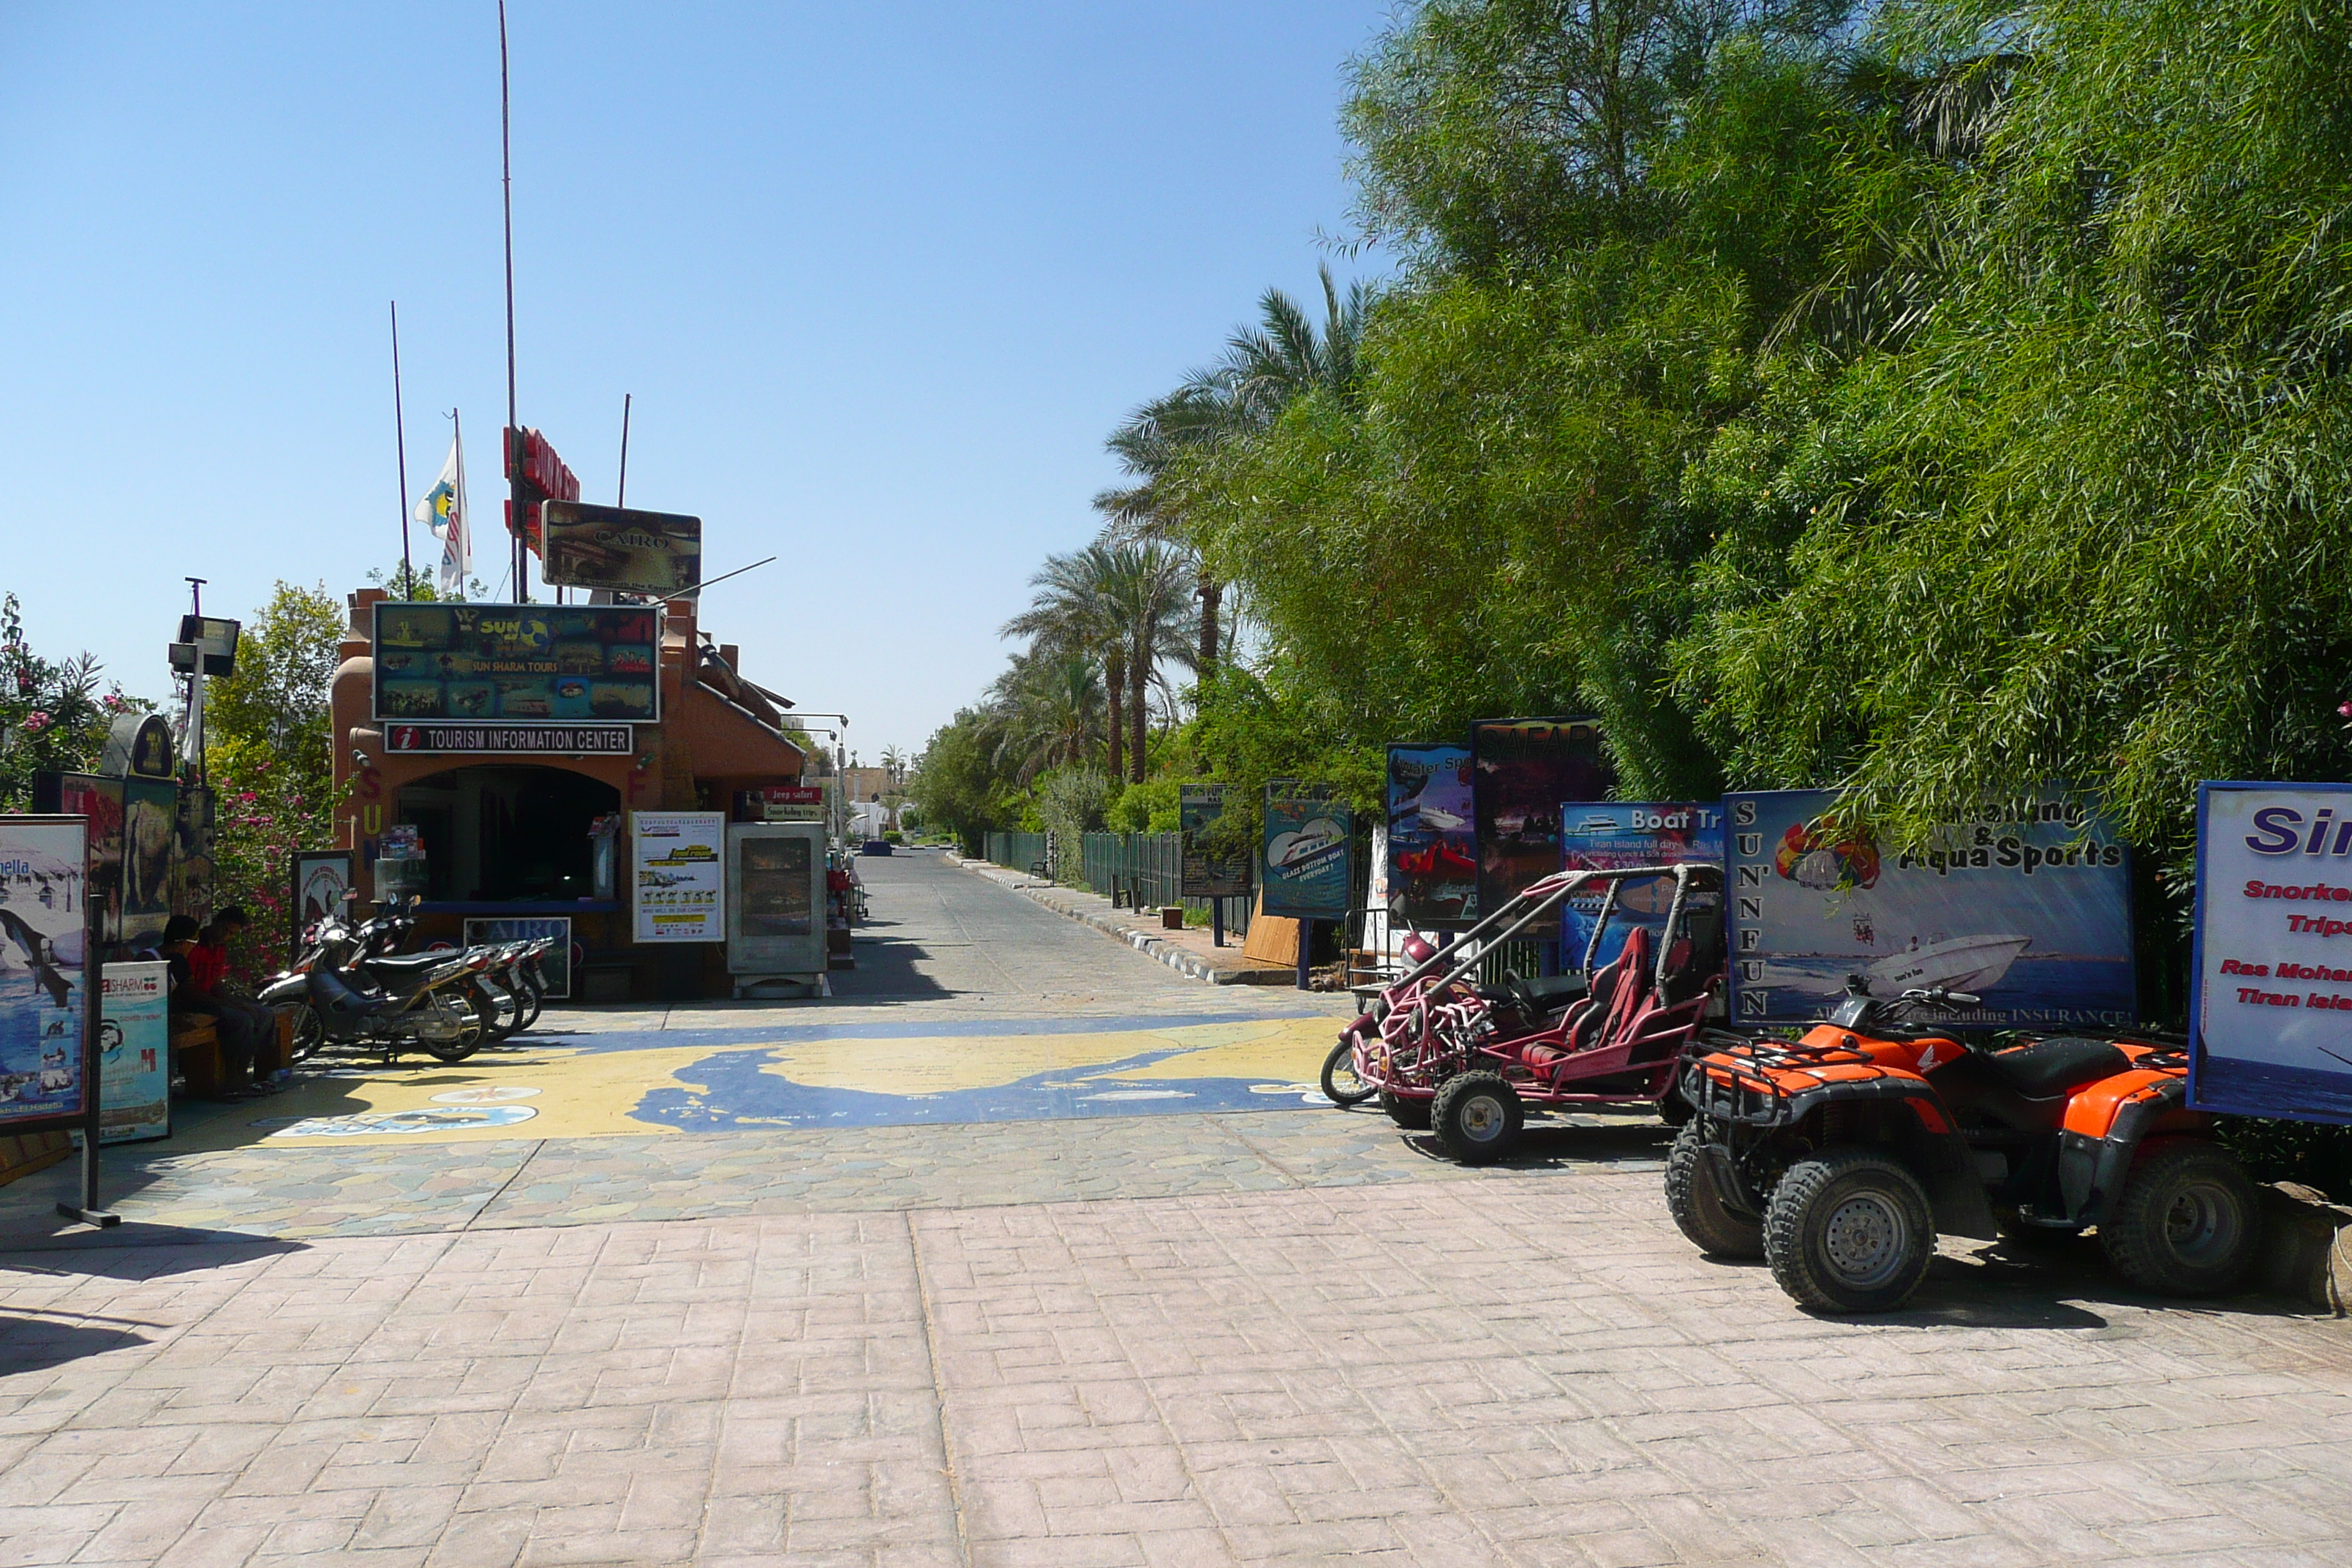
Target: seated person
198,964
210,960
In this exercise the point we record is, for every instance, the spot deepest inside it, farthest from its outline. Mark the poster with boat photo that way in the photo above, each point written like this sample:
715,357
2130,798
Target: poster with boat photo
1305,872
1433,837
2027,906
1615,835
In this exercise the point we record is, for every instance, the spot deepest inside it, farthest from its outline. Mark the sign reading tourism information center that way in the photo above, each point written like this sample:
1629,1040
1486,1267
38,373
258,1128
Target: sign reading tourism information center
2271,1019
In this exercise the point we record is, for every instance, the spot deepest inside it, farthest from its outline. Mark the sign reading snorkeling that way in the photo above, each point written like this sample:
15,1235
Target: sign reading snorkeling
2270,1013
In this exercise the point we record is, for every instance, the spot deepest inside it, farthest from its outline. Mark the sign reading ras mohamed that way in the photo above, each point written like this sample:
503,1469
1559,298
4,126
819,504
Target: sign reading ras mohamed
2271,1019
2026,905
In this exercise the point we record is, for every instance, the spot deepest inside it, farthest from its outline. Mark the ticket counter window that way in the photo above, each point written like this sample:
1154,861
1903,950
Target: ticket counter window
506,835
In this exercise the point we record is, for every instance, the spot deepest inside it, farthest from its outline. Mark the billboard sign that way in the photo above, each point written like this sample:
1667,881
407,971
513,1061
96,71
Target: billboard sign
2027,905
611,547
1617,834
1521,771
1304,869
134,1058
487,663
2270,999
1206,875
1433,837
679,889
44,967
100,799
781,803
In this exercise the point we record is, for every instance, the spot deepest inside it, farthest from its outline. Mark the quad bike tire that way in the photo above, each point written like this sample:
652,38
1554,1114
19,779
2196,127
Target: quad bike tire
2188,1222
1341,1084
1698,1209
1477,1116
1674,1110
1413,1115
1849,1231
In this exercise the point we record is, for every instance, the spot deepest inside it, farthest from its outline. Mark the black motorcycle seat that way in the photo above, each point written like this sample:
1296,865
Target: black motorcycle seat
1538,994
406,962
2061,1062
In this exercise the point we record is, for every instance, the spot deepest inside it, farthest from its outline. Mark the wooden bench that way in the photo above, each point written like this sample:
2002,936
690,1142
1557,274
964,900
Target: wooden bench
195,1055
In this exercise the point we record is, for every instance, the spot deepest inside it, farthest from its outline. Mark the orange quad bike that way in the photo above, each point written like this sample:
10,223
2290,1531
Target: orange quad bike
1839,1156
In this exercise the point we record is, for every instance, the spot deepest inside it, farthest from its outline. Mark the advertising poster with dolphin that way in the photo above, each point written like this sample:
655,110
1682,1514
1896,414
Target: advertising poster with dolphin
2027,906
1433,837
44,918
1305,874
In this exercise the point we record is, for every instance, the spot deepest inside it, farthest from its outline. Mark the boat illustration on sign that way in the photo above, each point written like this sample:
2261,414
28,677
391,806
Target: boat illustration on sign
1970,963
1313,839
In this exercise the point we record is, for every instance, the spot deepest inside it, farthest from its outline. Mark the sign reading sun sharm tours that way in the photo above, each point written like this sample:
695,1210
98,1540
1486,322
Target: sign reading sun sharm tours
487,663
2271,1011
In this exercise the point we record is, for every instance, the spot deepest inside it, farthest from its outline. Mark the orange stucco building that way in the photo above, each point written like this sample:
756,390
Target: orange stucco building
514,833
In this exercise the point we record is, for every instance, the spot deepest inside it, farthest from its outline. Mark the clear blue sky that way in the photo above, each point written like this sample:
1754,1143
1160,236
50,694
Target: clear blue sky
880,278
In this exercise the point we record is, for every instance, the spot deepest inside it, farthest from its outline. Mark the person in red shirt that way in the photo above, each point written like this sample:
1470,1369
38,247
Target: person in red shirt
249,1031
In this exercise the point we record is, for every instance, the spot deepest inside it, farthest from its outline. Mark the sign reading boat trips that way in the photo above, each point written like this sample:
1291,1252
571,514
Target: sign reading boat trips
1304,874
2270,1009
2026,905
611,547
679,891
537,663
1618,834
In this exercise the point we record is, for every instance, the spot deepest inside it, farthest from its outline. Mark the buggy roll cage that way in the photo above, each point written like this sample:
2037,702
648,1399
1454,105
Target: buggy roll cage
1542,896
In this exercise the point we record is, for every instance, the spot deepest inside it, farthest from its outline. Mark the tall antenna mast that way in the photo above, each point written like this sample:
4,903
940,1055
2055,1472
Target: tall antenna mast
506,182
400,445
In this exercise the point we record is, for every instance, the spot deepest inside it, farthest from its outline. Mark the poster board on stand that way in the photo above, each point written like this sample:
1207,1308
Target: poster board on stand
1618,834
134,1057
678,876
47,1025
1204,874
2270,1018
2027,906
320,879
1522,770
1304,869
1431,837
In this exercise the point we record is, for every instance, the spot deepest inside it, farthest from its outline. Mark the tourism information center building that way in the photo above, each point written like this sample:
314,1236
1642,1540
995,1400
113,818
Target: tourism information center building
508,747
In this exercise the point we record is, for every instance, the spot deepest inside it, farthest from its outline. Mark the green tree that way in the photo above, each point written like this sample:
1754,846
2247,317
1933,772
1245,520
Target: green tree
53,710
1074,615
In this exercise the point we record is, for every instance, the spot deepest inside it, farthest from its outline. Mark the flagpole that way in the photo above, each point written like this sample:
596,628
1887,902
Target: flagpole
465,523
623,498
521,570
400,445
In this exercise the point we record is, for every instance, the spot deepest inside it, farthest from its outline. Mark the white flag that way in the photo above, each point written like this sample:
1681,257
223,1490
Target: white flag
443,511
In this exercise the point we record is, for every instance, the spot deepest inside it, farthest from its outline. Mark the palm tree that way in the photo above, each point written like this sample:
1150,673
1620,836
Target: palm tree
894,764
1073,614
1149,595
1046,712
1264,368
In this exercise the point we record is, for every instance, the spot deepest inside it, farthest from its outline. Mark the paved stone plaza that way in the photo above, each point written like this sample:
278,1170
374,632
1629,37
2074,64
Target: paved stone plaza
1288,1334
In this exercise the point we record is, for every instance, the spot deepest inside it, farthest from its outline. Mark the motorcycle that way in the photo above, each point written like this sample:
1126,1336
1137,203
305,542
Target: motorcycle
344,991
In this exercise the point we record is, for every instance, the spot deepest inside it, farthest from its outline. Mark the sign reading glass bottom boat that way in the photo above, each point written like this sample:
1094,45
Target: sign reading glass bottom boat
570,740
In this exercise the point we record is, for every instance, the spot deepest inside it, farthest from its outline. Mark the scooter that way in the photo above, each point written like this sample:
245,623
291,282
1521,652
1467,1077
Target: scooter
342,991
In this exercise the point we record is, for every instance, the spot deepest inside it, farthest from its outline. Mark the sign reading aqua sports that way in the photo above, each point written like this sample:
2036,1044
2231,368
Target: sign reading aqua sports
1304,871
485,663
2027,905
2271,1007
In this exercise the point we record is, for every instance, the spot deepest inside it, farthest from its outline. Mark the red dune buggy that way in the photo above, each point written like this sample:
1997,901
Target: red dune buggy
1837,1157
1466,1060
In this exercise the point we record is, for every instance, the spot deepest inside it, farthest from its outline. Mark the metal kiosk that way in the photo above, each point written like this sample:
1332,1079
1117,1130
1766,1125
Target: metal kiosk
775,909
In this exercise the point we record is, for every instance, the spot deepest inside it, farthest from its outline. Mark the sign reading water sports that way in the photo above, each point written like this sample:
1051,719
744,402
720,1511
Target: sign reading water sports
487,663
2271,1008
2026,905
1305,869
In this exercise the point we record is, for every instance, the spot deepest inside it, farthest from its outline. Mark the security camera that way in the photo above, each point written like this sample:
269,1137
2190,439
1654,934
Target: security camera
359,757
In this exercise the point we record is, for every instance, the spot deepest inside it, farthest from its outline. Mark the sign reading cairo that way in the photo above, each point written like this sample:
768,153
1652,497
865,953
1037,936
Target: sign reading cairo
611,547
537,663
